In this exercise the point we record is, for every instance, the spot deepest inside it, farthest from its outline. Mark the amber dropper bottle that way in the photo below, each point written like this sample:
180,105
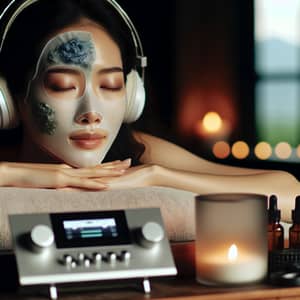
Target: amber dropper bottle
275,229
294,232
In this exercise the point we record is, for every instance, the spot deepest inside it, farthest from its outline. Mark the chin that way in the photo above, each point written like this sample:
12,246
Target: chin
85,161
84,164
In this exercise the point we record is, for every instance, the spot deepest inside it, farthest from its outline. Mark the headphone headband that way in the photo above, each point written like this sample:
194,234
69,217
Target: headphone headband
141,59
5,11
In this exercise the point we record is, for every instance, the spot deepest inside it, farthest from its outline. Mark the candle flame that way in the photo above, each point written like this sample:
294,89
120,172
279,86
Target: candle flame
232,253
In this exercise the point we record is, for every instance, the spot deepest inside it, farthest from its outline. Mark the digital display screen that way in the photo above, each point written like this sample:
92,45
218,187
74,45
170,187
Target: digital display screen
88,229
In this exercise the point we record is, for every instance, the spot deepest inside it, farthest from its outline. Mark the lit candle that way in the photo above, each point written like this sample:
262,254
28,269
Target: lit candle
230,267
231,238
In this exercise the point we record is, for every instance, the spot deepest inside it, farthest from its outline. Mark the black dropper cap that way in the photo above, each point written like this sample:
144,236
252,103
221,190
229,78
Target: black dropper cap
296,211
274,212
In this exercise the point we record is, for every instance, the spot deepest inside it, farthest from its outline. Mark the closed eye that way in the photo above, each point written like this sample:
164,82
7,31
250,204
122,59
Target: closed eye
59,88
64,83
111,88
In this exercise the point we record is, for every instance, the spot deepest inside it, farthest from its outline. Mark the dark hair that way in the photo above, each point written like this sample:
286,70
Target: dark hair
37,22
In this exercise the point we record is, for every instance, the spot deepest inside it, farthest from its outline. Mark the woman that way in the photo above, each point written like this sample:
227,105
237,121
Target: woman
72,112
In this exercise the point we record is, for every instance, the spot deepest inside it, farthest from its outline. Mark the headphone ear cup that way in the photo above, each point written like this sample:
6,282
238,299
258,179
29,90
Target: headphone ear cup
8,113
135,94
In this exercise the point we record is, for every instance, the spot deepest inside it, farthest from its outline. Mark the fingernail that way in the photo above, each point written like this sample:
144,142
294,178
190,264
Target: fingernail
127,161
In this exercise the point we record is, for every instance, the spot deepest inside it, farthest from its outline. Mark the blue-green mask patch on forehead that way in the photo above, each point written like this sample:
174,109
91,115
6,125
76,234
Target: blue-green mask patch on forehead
79,50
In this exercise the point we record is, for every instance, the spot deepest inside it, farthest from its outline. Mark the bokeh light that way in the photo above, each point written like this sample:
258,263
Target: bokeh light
283,150
263,150
221,149
212,122
298,151
240,150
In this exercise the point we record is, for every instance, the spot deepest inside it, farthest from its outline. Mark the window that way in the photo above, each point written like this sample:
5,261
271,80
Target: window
277,68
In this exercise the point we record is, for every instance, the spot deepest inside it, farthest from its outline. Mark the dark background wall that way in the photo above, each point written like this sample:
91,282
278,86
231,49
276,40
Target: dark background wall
156,25
197,52
191,45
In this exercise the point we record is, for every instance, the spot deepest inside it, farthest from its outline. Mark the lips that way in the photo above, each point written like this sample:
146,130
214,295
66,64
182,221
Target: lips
88,140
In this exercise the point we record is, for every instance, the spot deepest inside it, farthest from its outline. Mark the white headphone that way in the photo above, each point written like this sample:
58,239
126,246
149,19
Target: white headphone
134,82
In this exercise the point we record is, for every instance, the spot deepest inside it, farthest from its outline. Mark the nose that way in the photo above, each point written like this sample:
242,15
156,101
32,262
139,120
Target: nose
89,118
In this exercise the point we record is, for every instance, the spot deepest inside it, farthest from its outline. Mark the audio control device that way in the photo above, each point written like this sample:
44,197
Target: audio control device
65,248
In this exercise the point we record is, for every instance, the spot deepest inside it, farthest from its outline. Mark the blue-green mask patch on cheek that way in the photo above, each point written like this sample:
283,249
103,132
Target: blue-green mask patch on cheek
44,116
75,51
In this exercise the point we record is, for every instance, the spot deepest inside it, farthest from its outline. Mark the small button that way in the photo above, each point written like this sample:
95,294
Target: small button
87,263
74,264
97,257
111,257
125,256
81,257
67,259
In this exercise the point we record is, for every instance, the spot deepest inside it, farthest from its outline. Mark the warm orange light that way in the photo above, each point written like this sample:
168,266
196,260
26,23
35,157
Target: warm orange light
232,253
298,151
263,150
221,149
212,122
283,150
240,150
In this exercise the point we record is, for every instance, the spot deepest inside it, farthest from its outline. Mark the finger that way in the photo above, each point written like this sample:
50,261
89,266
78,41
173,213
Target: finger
63,181
87,184
51,179
119,165
39,166
110,163
94,173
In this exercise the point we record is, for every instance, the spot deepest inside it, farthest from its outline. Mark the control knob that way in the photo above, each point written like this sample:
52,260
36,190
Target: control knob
41,236
151,234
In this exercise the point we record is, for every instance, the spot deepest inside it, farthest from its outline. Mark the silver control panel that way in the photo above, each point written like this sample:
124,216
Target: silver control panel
90,246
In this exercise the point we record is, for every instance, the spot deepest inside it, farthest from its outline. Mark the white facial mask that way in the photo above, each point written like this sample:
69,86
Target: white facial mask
77,131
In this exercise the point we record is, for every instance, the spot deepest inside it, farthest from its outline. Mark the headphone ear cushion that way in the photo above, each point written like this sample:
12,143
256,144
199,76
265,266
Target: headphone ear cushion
135,94
8,112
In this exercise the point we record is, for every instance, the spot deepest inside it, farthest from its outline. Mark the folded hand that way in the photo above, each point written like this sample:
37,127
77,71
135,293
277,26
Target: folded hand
60,175
139,176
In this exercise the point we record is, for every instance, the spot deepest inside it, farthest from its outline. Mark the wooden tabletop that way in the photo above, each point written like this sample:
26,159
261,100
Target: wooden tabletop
176,290
181,287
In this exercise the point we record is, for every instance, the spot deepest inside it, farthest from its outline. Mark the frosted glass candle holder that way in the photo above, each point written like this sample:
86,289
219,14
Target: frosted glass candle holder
231,238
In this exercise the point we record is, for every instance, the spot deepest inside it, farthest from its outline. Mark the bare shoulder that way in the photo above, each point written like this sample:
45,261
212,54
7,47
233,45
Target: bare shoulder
143,137
153,143
165,153
150,142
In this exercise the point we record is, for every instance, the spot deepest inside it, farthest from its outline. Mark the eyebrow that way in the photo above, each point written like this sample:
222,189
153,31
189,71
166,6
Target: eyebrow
72,71
62,70
110,70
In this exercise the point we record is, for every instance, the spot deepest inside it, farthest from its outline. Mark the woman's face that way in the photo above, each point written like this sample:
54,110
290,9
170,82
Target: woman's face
75,102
